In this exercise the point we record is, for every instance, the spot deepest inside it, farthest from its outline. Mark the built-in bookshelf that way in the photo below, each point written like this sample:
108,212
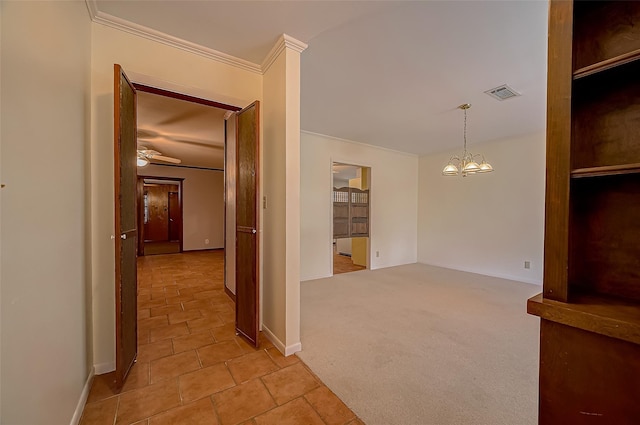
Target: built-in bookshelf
590,304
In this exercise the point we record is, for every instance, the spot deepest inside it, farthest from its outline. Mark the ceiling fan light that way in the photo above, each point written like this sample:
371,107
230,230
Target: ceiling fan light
142,162
450,170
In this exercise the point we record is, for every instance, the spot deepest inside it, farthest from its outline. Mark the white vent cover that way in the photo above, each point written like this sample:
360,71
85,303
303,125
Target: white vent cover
502,92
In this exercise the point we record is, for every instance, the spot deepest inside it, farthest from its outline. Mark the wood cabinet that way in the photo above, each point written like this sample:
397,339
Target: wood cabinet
590,305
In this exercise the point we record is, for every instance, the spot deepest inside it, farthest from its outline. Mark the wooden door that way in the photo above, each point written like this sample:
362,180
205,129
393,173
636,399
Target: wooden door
247,219
157,225
175,217
125,180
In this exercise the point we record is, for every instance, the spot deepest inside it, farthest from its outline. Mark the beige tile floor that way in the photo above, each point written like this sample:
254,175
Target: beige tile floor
192,368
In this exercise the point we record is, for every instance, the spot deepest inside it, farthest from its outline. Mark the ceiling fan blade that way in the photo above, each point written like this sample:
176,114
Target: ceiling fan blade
166,159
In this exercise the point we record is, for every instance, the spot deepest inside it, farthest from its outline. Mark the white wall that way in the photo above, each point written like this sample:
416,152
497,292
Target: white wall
45,80
152,63
203,204
280,231
491,223
393,209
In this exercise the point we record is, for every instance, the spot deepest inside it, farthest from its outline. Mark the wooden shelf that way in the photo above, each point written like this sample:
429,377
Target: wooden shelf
606,64
608,170
611,317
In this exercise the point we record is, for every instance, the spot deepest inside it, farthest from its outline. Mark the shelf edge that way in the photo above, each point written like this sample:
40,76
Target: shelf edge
575,315
609,170
606,64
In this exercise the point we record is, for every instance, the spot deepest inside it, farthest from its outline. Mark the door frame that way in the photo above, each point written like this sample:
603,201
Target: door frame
176,95
140,196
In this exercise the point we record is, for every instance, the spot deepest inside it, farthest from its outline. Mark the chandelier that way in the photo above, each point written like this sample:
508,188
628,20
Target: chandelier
466,164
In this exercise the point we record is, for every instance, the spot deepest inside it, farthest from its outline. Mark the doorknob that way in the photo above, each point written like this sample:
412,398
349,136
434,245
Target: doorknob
253,231
123,236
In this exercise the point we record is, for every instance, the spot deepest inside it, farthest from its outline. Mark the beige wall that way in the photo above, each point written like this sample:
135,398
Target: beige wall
394,203
281,186
491,223
202,203
45,77
152,63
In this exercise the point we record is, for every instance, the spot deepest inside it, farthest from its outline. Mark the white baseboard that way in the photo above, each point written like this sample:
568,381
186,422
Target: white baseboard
102,368
274,339
293,348
286,351
484,273
312,277
77,415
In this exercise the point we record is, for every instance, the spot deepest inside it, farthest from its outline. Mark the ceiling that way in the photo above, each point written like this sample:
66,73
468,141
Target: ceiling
191,132
387,73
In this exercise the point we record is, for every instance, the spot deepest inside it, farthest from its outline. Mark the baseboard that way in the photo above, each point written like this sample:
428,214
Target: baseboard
287,351
498,275
77,415
293,348
274,339
316,277
102,368
229,293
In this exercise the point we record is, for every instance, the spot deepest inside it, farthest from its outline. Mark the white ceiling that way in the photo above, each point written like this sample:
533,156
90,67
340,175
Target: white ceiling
387,73
188,131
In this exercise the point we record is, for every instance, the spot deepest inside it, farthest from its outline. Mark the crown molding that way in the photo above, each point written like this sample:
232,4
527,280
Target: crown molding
160,37
353,142
285,41
92,7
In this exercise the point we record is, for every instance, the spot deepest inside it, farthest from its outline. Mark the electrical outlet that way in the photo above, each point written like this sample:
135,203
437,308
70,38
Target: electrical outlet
206,241
527,264
377,254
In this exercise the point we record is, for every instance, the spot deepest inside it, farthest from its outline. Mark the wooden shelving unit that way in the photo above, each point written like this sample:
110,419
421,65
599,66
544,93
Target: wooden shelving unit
590,305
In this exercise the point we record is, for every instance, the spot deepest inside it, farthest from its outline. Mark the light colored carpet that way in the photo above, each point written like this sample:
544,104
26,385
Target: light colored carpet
424,345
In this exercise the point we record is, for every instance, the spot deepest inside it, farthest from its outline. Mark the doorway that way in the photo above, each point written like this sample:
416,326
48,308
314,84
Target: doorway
166,148
350,209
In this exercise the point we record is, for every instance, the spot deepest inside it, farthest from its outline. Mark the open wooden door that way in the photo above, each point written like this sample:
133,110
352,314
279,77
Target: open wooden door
125,181
247,220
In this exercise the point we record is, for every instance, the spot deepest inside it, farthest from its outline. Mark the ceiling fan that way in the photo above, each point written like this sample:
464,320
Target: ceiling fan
145,155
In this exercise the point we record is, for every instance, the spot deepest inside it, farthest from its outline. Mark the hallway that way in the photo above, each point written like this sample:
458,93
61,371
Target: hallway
192,368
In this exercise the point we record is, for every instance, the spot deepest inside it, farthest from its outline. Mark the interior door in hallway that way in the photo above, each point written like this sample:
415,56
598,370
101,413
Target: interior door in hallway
247,219
156,229
125,185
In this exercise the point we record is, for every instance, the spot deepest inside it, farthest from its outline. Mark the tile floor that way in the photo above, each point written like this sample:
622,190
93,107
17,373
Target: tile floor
192,369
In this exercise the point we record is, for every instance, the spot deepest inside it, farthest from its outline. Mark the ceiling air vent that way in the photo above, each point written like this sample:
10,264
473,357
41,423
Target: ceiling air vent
502,92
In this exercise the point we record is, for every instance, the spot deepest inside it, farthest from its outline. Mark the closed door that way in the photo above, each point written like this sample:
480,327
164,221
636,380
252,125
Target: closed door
157,225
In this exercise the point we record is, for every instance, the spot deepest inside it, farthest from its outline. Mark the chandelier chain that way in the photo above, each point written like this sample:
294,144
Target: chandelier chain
465,132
